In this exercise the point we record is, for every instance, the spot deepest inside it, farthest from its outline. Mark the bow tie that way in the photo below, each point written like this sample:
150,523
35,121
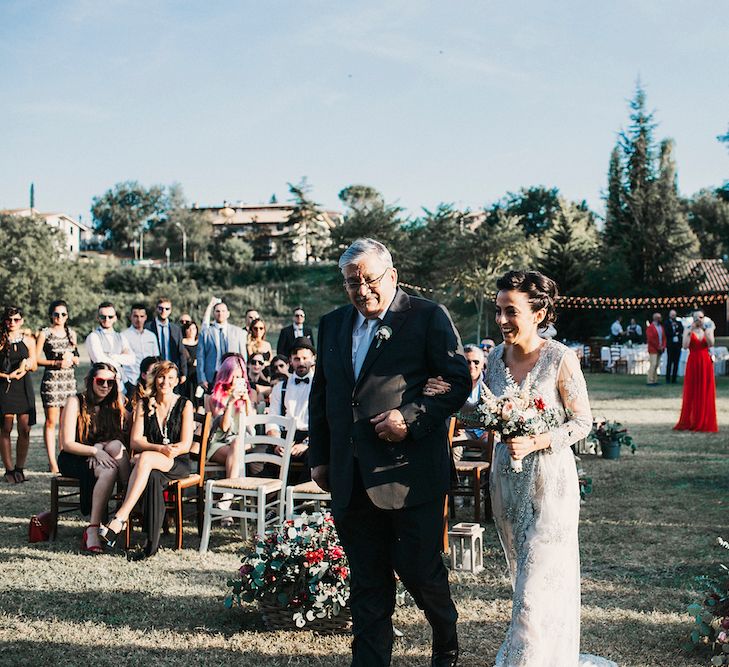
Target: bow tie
300,380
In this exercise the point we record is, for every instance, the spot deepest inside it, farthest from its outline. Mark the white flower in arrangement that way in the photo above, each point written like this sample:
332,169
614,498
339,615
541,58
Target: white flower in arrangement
383,334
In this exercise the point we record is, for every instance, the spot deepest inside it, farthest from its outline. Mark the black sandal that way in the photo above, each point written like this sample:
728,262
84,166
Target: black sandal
9,476
109,536
19,475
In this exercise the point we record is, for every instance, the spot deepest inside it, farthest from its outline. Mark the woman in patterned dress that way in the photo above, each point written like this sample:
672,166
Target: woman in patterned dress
57,353
17,400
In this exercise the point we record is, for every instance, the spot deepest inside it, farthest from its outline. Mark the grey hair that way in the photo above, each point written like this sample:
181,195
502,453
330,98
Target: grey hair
362,248
471,347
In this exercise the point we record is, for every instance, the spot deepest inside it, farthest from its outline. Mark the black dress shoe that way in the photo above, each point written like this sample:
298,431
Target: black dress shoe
444,658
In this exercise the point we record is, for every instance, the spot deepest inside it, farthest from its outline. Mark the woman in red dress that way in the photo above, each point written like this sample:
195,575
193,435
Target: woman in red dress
698,412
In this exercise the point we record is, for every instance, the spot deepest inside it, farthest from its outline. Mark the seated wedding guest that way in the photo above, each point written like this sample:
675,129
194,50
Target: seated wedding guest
257,343
295,330
229,399
258,381
215,342
92,446
279,364
291,398
169,336
487,344
142,342
56,351
162,435
190,340
184,319
104,344
17,399
140,388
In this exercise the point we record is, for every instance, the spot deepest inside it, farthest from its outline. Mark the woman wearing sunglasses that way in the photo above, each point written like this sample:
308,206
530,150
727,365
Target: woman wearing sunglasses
92,446
257,343
57,352
17,399
161,435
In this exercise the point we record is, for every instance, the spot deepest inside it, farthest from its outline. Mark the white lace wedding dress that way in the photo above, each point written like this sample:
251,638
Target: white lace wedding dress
536,513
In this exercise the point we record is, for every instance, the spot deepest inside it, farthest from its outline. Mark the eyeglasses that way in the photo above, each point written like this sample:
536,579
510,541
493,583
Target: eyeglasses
354,285
104,382
259,328
256,362
487,347
299,315
59,314
475,362
107,317
280,364
15,318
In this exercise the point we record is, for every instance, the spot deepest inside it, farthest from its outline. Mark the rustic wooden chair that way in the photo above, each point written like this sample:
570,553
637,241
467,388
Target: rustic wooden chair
66,497
475,472
175,493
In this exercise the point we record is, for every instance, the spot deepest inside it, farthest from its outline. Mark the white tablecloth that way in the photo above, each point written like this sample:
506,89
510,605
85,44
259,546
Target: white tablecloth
637,358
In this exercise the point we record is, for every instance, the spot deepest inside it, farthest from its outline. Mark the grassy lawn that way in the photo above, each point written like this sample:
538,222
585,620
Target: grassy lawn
647,530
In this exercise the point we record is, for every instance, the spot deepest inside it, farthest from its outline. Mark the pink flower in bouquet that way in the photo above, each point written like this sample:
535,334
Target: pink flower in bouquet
315,556
539,404
507,410
336,552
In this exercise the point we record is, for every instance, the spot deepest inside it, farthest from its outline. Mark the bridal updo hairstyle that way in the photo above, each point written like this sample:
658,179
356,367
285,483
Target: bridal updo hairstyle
541,291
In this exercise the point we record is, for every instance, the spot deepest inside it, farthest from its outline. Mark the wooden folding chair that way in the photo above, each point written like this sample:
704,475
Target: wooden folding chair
475,472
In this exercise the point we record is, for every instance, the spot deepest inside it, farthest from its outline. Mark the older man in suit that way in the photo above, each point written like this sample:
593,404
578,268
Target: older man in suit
382,447
215,341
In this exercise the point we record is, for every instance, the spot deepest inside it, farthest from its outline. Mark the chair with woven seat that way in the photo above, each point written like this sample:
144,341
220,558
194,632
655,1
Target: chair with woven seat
308,492
472,476
617,360
260,499
175,493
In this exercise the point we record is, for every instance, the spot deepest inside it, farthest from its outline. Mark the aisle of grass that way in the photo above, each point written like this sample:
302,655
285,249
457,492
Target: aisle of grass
647,530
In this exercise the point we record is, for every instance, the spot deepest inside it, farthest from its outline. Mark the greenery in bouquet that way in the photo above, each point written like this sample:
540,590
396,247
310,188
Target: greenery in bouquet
605,432
711,615
301,566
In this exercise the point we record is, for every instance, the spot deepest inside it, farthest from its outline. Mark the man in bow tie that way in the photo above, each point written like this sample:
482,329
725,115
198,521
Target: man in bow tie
291,398
381,446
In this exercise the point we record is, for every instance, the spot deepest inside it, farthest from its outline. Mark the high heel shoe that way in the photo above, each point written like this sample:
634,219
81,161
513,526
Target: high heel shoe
110,536
94,549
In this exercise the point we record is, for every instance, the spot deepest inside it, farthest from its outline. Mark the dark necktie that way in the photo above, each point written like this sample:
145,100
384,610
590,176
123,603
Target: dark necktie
300,380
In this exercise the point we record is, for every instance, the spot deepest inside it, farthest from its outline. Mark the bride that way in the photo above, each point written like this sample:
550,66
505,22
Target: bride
536,511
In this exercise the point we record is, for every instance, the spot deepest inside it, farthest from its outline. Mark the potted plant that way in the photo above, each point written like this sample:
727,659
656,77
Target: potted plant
611,436
297,574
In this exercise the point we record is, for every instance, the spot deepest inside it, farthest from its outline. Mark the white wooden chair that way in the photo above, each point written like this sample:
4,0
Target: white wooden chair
259,499
309,493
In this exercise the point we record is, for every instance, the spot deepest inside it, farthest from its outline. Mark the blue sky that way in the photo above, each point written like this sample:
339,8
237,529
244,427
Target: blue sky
457,101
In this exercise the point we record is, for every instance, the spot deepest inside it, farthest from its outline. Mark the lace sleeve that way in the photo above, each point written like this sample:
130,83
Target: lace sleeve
573,390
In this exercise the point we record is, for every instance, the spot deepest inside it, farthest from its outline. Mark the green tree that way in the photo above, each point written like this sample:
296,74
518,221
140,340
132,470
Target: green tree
310,233
535,207
233,256
129,208
167,233
367,215
708,215
570,248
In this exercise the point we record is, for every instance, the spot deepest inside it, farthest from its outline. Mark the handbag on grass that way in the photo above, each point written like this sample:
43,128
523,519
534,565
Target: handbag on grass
39,528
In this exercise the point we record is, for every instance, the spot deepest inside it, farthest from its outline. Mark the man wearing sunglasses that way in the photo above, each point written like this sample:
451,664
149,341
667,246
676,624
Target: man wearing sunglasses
217,340
297,329
169,337
104,344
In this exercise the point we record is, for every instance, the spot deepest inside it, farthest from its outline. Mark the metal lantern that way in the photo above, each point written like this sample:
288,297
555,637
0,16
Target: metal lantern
466,541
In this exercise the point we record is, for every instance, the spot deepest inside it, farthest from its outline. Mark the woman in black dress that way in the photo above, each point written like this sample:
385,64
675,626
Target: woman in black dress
17,400
161,434
92,446
190,340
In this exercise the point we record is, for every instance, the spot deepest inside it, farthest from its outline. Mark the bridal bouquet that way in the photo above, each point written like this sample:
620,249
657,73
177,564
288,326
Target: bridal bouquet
519,412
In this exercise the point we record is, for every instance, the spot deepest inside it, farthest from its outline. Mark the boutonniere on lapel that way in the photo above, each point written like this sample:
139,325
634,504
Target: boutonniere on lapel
383,335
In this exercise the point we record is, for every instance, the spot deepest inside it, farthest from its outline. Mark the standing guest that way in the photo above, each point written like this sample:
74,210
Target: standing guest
382,447
616,330
190,341
216,341
674,342
17,400
297,329
291,398
207,315
698,409
257,343
56,351
104,344
230,397
142,342
92,446
656,336
251,314
162,435
634,331
184,319
169,336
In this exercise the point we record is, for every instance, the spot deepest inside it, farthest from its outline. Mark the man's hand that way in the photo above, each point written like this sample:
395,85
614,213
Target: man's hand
390,426
296,450
435,386
320,474
204,385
